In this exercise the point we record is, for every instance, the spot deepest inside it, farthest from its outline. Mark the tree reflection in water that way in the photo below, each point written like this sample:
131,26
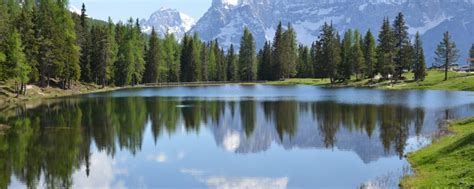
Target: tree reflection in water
54,139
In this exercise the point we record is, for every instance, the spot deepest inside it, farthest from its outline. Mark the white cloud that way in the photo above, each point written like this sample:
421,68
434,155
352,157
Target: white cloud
231,141
103,172
160,158
220,182
223,182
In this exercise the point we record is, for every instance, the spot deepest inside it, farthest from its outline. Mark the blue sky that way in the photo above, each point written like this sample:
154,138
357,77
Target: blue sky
124,9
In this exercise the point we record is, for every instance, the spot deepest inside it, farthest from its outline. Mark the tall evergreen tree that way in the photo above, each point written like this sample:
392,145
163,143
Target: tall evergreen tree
84,43
278,55
151,74
291,52
232,72
171,57
471,54
265,71
386,50
205,59
357,56
247,57
446,54
27,29
221,66
346,67
419,68
189,68
370,56
15,65
330,52
403,54
304,67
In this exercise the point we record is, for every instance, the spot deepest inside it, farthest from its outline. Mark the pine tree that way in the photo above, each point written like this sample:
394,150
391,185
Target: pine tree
370,56
330,52
232,74
26,27
265,62
446,54
15,65
278,55
151,74
171,57
221,66
347,61
189,69
84,43
205,59
471,54
357,56
212,66
403,49
196,50
247,57
291,52
138,61
419,59
304,67
386,50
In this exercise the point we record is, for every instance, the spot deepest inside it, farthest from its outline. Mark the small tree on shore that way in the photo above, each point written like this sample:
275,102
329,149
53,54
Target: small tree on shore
446,54
471,54
419,68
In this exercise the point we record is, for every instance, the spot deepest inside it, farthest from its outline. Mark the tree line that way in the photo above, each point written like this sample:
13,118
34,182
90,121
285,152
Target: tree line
41,42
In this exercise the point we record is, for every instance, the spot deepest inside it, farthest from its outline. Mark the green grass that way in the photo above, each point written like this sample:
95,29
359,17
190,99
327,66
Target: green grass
300,81
434,81
447,163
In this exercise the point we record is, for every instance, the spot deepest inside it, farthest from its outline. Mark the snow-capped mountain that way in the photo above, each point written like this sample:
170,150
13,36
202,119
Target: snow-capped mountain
168,20
226,19
74,9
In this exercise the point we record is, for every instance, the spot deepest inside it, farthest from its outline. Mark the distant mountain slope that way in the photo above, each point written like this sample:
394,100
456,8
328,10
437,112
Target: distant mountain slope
168,20
226,19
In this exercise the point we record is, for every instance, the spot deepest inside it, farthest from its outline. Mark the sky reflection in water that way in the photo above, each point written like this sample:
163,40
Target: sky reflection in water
223,137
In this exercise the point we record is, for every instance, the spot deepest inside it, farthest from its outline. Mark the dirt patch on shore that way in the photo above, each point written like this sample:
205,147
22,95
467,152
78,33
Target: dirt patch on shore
4,128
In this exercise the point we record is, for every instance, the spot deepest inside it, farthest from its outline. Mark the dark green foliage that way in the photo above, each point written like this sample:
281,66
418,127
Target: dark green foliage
152,71
403,49
370,56
62,47
386,50
471,54
247,57
419,68
265,70
446,54
330,54
232,69
305,66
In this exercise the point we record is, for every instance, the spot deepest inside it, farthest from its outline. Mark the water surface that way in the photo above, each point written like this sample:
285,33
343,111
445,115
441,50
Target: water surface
228,136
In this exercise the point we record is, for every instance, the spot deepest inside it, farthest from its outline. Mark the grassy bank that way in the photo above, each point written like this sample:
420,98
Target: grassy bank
8,95
447,163
434,81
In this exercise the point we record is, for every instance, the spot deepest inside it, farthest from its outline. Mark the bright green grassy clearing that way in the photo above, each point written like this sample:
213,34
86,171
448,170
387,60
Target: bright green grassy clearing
447,163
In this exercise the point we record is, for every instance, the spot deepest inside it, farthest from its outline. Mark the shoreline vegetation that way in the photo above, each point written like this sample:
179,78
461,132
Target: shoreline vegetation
447,162
434,81
439,164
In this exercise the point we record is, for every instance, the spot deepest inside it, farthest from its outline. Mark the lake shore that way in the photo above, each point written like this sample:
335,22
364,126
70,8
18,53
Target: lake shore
447,162
434,81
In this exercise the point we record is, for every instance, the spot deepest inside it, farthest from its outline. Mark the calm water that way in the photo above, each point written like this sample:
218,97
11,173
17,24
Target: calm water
228,136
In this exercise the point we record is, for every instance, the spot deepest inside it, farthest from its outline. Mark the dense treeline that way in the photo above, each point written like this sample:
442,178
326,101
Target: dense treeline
43,43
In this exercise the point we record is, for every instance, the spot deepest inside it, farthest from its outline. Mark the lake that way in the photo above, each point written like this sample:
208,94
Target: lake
229,136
